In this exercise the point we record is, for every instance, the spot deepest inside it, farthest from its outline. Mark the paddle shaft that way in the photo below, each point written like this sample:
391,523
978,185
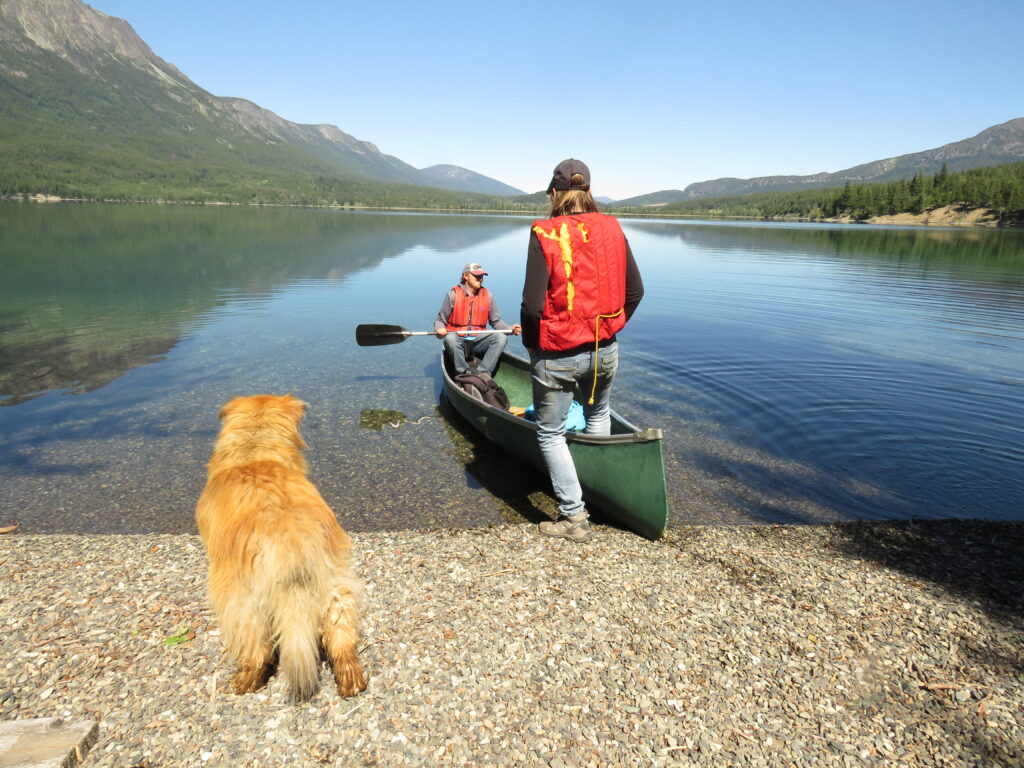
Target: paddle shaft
373,335
457,333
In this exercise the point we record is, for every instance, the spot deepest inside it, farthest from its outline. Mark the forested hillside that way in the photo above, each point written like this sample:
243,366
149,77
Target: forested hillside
996,145
999,189
67,168
88,110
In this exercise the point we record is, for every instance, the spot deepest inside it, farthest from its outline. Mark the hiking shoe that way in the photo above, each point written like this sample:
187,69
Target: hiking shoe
574,530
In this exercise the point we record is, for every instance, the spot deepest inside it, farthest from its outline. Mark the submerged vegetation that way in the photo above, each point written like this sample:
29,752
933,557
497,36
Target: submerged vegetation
999,189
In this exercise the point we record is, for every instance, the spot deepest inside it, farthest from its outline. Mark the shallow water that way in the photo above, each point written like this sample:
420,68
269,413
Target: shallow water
800,372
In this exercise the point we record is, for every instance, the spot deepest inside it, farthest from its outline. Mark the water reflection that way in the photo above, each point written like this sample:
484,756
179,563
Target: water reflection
819,373
93,291
801,373
931,247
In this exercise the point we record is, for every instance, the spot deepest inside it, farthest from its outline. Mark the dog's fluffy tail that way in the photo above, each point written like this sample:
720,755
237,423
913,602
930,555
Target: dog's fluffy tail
296,605
296,589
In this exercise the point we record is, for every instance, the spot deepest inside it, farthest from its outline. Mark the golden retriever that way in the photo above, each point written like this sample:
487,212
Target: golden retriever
279,579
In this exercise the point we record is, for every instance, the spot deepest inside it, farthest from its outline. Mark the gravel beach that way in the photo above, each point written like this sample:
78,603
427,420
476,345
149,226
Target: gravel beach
841,645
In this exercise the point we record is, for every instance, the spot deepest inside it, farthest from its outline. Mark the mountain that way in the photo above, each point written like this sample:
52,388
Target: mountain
87,107
664,197
454,177
997,145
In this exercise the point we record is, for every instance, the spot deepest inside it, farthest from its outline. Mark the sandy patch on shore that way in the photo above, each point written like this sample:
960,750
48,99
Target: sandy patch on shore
946,216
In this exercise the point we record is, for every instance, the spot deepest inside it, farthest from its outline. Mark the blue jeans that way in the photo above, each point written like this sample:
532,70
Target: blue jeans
555,378
487,347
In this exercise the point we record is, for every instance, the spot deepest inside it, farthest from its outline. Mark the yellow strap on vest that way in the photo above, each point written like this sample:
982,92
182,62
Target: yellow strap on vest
564,240
597,350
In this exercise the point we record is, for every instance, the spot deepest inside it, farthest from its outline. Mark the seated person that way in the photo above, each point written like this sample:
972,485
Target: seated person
469,306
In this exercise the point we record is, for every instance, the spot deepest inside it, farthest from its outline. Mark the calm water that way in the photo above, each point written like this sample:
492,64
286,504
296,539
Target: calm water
801,373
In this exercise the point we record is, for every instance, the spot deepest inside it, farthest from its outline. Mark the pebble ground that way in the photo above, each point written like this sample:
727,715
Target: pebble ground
867,644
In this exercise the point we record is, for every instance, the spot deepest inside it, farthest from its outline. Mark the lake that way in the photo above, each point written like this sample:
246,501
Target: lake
802,373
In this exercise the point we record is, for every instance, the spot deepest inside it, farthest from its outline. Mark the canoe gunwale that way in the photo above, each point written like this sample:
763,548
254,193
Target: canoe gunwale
633,435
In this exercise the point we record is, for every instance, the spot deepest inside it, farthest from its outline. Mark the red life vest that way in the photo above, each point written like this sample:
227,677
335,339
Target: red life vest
586,256
469,313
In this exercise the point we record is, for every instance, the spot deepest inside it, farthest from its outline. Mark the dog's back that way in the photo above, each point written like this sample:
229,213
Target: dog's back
279,578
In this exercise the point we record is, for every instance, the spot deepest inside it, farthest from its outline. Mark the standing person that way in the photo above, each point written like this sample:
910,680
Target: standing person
469,306
582,285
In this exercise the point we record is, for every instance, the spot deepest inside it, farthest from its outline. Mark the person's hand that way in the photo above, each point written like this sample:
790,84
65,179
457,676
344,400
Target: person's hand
517,329
441,332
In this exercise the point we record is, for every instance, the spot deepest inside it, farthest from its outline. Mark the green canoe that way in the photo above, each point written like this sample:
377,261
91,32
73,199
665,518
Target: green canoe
622,474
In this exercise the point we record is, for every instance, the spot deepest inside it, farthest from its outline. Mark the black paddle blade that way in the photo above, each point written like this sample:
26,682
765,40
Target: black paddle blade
380,335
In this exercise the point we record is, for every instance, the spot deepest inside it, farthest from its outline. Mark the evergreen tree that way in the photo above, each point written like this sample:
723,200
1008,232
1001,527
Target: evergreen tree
1000,188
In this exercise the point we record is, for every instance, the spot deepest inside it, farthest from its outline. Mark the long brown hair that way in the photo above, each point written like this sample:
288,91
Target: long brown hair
565,202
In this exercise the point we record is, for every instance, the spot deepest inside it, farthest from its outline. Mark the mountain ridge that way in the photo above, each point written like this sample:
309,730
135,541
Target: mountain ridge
995,145
449,176
88,109
75,81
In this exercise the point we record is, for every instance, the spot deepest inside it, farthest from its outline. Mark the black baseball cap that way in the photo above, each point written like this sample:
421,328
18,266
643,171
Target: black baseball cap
563,173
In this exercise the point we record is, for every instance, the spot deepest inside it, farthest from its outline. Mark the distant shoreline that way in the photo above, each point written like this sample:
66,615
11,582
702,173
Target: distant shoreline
945,216
51,199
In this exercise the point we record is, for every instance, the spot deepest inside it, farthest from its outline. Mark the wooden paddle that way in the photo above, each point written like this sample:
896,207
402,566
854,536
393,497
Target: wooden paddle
381,335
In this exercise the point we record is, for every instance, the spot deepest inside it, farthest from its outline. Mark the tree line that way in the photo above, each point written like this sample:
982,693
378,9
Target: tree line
61,161
93,173
999,188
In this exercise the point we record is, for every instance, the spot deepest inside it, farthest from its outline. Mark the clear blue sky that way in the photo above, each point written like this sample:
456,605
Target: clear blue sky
651,95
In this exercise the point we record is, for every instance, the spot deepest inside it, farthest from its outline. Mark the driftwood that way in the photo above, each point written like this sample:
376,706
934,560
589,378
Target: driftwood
47,742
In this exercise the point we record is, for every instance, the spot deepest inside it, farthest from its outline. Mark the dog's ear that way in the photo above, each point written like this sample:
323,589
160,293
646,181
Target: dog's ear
224,410
301,406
